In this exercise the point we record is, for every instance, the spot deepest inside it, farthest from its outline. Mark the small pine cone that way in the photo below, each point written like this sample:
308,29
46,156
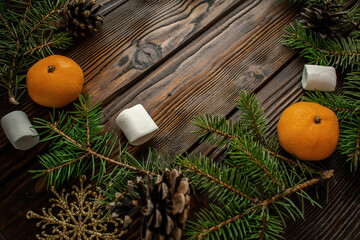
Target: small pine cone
325,19
163,207
81,18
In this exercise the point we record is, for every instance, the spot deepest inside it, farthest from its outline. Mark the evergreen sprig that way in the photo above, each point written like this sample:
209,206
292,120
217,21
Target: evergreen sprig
342,106
252,115
354,19
29,31
116,180
352,87
253,190
343,53
79,145
217,130
232,182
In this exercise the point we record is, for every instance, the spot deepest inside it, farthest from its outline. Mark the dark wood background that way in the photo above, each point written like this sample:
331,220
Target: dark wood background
179,59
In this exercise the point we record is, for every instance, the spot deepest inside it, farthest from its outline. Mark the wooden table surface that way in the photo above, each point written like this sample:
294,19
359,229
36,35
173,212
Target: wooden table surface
179,59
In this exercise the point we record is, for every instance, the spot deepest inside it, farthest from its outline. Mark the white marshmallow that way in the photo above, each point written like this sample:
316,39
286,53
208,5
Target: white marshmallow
136,124
321,78
19,131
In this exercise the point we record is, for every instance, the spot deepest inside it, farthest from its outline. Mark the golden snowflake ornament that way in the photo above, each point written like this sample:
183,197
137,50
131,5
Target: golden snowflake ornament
76,215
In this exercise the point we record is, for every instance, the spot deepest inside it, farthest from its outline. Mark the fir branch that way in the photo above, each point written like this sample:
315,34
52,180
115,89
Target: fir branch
249,148
219,131
28,7
41,21
7,26
349,141
48,171
343,53
88,151
343,107
251,188
220,225
355,24
116,181
252,115
193,166
263,222
353,16
356,153
12,83
79,146
143,171
352,87
55,40
289,191
264,205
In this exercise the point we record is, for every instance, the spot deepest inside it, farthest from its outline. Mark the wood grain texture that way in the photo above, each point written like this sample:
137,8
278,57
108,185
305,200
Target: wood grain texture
179,59
205,78
141,35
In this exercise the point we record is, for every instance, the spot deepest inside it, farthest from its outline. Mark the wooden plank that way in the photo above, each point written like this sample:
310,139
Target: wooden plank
26,195
206,77
145,35
109,6
339,217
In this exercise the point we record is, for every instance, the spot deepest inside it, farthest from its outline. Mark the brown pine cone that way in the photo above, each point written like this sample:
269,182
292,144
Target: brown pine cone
163,207
326,19
81,18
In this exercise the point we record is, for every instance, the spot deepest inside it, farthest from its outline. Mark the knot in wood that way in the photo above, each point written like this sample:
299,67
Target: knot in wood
146,55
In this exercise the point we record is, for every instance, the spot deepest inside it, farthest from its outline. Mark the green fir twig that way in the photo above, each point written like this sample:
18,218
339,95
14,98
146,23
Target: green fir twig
78,145
341,53
260,208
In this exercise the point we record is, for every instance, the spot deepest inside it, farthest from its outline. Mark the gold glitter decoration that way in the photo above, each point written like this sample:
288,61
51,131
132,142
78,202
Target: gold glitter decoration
76,215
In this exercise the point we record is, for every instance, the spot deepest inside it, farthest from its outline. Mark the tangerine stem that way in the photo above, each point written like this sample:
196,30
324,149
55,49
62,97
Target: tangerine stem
317,119
51,69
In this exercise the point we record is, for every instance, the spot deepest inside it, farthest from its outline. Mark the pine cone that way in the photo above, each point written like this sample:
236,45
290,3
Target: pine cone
163,208
81,18
326,19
